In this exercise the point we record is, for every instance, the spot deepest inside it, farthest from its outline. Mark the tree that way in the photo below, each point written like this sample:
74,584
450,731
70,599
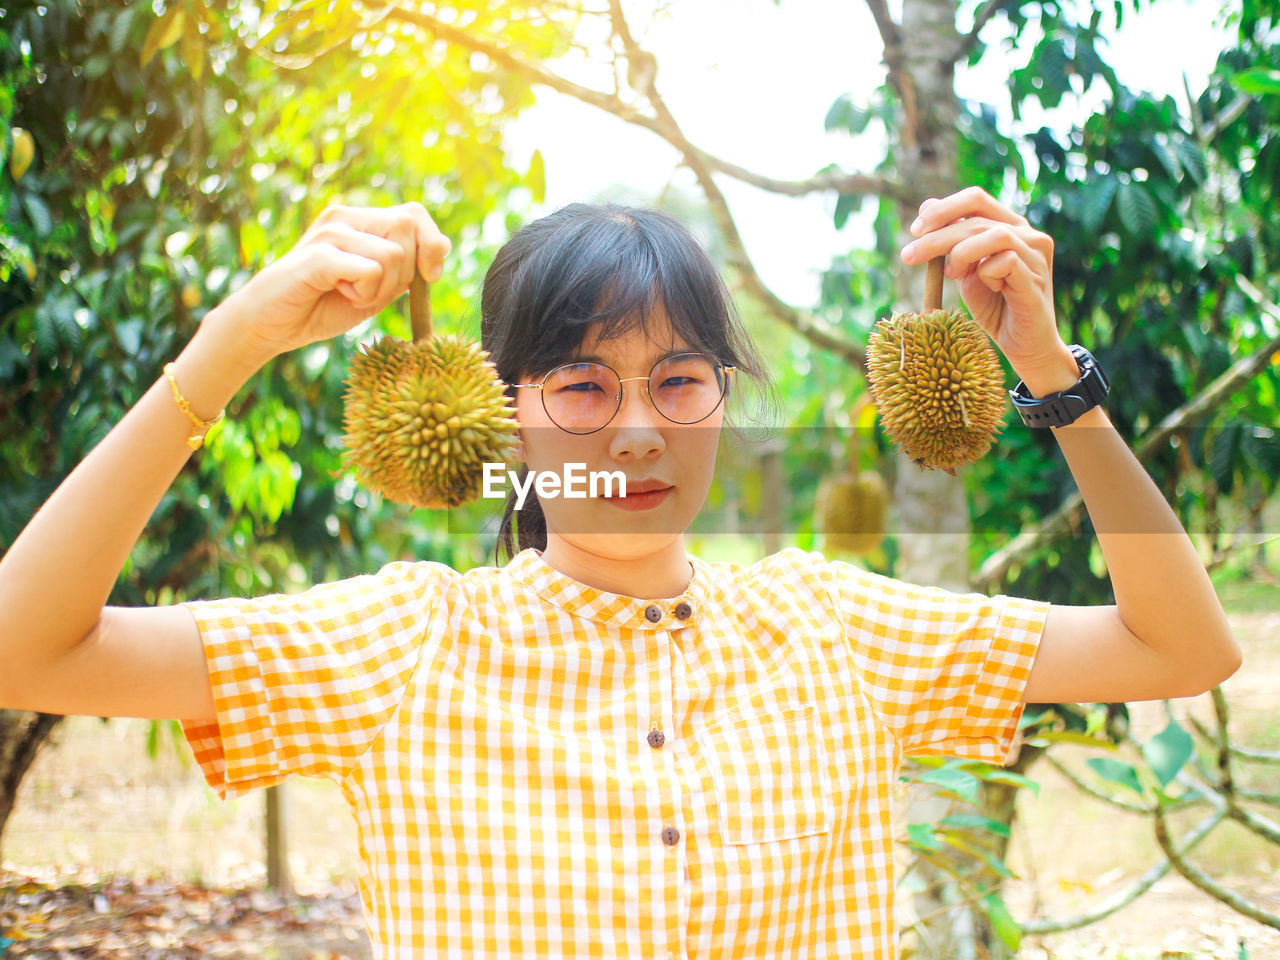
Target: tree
173,156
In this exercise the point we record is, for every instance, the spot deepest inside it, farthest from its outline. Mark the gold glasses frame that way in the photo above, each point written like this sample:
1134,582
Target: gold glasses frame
728,369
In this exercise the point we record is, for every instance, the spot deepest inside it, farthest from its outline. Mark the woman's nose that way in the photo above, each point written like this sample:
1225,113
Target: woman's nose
637,421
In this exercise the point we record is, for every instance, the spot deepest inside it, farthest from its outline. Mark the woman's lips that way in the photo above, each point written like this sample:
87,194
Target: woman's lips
640,501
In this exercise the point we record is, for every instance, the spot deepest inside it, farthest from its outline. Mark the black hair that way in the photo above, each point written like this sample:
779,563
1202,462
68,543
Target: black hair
600,263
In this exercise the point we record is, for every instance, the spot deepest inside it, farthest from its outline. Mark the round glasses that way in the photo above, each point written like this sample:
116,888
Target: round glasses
583,396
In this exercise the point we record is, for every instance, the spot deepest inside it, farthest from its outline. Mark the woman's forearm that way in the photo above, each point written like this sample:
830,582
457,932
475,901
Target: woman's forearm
56,577
1163,592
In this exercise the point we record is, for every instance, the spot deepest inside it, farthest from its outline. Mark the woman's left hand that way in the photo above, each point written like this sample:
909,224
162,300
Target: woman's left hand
1004,270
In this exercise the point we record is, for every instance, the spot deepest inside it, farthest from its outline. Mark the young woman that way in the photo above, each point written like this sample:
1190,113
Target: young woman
606,746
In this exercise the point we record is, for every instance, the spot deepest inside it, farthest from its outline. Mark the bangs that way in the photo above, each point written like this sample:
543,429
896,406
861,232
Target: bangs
618,268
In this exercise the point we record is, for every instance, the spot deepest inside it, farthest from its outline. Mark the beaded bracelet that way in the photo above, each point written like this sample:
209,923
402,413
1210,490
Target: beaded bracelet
195,439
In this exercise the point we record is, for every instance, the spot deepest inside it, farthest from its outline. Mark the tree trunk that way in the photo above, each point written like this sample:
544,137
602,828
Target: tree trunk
21,735
932,516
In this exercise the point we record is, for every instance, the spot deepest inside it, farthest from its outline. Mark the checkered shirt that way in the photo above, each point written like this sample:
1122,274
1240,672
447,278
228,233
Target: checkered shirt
539,768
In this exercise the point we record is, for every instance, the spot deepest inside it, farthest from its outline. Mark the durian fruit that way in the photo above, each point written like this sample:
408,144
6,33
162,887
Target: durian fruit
423,417
853,510
853,507
936,381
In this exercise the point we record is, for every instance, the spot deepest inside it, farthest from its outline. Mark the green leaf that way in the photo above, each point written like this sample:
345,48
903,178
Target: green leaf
846,204
922,835
1071,736
844,114
1192,159
38,213
1137,209
975,821
1117,772
1258,80
1002,922
1097,201
120,29
1168,159
1011,778
536,178
961,843
1168,752
954,782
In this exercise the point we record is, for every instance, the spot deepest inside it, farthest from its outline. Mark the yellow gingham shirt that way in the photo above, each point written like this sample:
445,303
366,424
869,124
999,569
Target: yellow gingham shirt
539,768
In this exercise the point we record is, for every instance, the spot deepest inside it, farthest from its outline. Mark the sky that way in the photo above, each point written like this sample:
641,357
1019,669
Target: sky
754,90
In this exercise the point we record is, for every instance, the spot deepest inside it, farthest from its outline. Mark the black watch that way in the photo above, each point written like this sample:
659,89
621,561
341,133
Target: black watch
1061,408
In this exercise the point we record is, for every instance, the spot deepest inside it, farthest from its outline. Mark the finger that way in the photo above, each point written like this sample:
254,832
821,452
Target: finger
356,277
971,201
432,245
987,243
386,253
937,243
404,235
1004,269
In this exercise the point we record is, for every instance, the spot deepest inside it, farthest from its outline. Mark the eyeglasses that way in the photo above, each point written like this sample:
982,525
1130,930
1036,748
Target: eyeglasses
582,397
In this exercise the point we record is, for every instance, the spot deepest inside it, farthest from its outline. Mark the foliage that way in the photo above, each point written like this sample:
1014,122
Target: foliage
1154,214
967,845
172,174
171,161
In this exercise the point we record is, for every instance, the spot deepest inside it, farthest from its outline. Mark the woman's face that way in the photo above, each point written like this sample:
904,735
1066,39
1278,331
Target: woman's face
639,442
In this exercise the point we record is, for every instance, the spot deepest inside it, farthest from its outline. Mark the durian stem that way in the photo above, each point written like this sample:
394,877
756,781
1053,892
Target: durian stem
933,284
419,308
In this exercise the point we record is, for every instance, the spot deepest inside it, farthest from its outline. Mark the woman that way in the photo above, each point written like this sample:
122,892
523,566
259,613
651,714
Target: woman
605,747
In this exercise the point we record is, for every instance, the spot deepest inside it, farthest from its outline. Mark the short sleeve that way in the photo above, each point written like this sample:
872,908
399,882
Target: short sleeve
303,683
945,671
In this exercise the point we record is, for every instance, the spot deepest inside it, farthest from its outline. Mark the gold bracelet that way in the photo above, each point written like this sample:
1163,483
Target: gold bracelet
195,439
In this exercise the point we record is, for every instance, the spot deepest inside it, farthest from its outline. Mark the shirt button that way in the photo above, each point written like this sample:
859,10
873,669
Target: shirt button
653,613
683,610
657,738
670,836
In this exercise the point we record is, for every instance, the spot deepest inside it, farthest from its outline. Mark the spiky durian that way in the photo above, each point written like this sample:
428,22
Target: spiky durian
853,511
937,384
423,417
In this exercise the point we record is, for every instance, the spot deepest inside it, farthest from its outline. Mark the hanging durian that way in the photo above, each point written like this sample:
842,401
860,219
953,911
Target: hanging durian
853,508
422,418
936,381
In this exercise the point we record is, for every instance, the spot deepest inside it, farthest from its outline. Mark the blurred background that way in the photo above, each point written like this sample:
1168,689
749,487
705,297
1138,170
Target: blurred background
156,155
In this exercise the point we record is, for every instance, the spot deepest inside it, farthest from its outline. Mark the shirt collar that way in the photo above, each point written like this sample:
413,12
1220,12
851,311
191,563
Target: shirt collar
642,613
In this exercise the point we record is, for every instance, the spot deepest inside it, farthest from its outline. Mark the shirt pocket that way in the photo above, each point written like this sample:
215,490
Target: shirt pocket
770,774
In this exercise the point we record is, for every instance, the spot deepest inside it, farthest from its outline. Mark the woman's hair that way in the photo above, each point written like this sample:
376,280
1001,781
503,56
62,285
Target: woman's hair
608,264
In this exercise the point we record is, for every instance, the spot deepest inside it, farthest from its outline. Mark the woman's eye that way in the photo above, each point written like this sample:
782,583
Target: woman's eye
679,381
584,386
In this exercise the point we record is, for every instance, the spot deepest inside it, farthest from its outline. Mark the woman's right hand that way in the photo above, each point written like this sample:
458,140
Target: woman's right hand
348,265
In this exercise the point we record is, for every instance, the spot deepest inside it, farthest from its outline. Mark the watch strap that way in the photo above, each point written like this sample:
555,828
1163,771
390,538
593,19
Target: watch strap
1065,406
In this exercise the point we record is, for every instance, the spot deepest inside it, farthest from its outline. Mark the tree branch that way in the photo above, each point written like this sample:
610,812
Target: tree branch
1067,515
699,161
1199,878
1085,787
1113,903
1206,135
899,76
1244,753
970,39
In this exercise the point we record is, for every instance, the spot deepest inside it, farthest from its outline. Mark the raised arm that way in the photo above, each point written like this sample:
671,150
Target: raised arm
61,649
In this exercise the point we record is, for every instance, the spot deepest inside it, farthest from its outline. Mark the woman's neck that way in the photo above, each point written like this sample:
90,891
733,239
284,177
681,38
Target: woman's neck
665,572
